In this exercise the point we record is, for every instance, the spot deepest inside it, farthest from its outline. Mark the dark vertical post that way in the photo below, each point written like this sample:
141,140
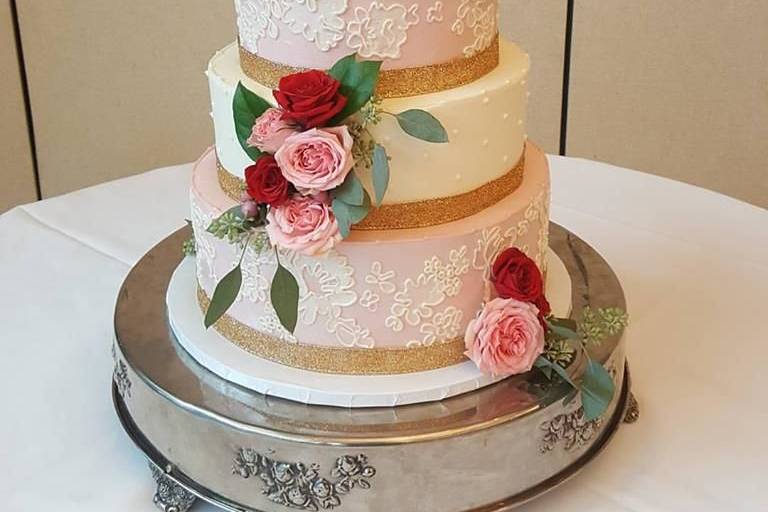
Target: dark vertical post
25,91
566,77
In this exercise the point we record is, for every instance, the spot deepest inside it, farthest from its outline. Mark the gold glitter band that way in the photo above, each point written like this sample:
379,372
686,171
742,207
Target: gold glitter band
417,214
338,360
431,212
229,183
393,83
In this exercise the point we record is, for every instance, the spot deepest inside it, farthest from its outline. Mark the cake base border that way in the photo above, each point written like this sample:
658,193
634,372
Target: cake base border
187,491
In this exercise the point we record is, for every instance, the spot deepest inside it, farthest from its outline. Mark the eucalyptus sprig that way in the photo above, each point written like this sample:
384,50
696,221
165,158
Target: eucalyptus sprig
565,337
560,352
370,114
233,226
189,248
597,325
421,125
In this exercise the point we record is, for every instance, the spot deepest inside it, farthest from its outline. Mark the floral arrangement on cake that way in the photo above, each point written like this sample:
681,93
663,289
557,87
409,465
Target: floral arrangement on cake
303,192
516,332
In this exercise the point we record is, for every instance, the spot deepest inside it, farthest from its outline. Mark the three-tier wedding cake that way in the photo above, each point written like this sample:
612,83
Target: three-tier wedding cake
371,232
371,227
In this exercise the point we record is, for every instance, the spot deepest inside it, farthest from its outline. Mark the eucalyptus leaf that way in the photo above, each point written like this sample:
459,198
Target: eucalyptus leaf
358,82
284,294
422,125
224,295
237,211
543,362
596,390
560,331
380,172
570,397
348,214
246,108
568,323
351,191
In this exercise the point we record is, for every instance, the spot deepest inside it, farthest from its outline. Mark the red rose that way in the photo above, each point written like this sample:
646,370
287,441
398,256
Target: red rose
309,99
544,308
265,183
516,276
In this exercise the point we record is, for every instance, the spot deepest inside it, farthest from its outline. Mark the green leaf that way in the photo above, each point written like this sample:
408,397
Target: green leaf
543,362
351,191
284,294
596,390
568,323
561,331
236,211
246,108
224,295
348,214
422,125
358,83
570,396
380,172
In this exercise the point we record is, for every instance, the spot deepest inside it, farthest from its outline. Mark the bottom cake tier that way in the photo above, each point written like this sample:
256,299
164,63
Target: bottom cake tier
382,302
227,360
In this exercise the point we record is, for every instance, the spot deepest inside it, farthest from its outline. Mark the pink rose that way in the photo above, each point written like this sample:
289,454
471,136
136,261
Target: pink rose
316,160
304,224
270,131
505,338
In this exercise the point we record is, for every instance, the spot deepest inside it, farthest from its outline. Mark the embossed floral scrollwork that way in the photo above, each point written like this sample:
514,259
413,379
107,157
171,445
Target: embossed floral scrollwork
435,12
571,429
414,304
300,486
120,375
383,280
170,496
379,30
205,251
318,21
256,19
479,17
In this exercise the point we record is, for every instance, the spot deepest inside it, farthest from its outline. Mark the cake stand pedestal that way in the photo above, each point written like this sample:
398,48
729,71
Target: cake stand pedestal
485,451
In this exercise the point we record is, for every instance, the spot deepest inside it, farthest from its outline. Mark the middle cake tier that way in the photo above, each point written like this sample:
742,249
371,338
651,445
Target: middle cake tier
481,163
382,302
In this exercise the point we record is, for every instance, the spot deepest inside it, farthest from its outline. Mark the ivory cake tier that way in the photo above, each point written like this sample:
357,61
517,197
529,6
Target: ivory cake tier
391,291
411,34
485,121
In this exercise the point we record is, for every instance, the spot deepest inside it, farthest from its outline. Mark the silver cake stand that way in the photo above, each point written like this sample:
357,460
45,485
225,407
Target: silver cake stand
489,450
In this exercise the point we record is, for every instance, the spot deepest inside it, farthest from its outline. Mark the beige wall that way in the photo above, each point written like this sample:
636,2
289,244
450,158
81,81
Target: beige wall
117,88
17,176
678,91
539,27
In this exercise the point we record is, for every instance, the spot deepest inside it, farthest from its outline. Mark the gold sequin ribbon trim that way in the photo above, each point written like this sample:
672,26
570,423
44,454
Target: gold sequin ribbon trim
393,83
417,214
339,360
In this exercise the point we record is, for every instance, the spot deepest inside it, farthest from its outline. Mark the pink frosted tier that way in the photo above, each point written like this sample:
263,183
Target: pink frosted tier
317,33
378,289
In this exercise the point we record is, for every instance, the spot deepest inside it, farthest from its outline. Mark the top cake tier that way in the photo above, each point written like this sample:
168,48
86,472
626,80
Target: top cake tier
438,44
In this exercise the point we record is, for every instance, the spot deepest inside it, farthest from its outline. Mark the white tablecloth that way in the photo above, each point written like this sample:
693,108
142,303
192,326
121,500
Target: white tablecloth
694,265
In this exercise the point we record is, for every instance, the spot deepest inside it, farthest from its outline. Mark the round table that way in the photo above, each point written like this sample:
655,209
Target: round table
693,264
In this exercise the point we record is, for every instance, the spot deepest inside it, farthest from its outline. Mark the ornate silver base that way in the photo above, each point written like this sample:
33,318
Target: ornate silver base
170,496
632,414
173,496
242,451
